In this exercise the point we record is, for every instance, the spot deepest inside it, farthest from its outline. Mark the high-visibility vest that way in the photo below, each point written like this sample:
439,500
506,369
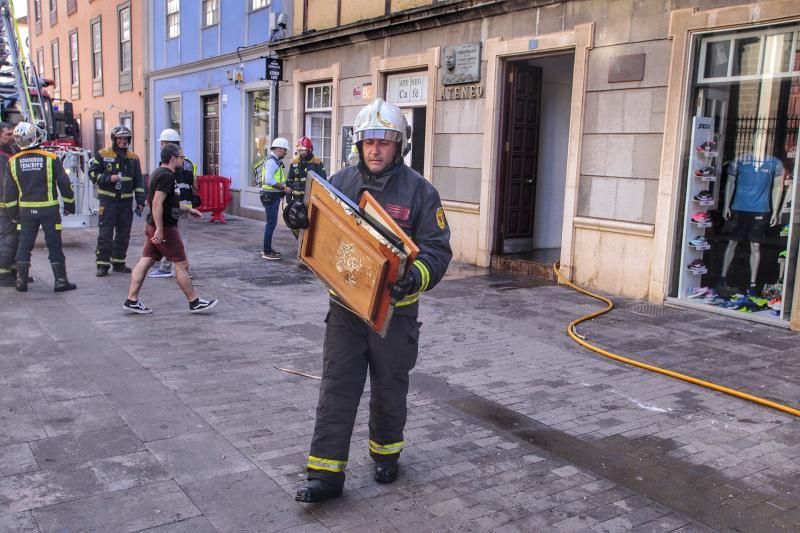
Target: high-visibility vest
279,175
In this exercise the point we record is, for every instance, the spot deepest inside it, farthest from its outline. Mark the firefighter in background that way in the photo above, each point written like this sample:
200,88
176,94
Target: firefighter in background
8,228
37,178
118,175
351,348
304,161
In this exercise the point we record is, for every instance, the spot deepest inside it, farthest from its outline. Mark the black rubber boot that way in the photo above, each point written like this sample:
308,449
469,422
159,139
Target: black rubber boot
386,472
102,271
22,276
316,490
14,274
7,279
62,284
125,269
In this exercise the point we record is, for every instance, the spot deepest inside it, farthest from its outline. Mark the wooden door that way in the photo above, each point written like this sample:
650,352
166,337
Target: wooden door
519,158
211,135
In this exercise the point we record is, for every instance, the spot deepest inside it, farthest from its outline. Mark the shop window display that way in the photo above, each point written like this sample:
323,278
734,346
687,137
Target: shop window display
740,221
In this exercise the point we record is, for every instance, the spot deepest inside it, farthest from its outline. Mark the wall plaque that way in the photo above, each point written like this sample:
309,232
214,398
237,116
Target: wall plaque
463,92
461,64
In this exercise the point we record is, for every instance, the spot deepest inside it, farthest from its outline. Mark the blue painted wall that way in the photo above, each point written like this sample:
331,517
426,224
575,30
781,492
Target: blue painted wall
237,27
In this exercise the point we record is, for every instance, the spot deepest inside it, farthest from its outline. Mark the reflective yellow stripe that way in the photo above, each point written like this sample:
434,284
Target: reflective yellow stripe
58,227
101,192
68,200
46,203
126,195
19,227
50,181
426,275
331,465
5,270
138,189
114,260
385,449
103,263
8,204
408,300
125,178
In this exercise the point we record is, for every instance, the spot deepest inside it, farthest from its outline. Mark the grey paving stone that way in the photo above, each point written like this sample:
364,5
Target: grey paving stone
16,458
18,423
198,524
76,416
198,456
18,523
161,420
247,501
78,448
22,492
121,511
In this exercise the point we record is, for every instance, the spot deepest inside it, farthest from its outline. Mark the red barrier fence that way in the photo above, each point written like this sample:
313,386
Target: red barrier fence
215,195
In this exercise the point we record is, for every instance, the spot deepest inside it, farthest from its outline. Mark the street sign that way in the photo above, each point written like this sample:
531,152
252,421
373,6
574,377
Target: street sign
274,69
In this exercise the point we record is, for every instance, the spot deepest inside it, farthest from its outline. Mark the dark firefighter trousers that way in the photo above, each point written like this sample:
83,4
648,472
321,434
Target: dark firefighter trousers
351,349
29,229
116,217
9,239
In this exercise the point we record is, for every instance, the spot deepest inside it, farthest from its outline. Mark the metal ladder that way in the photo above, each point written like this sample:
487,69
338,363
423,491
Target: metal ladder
18,77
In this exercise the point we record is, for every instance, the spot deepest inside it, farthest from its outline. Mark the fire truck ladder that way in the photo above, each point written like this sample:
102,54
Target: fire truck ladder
20,82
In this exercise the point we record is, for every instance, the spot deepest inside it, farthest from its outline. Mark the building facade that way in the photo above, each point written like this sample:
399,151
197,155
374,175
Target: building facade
95,53
207,80
647,145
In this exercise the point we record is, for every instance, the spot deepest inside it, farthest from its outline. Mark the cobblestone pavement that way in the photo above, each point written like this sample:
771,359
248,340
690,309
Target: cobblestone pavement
174,422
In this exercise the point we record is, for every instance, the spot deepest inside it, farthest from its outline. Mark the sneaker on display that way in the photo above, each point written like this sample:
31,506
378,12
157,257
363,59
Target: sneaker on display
706,172
701,217
704,196
158,272
696,265
698,241
708,146
696,292
782,254
136,307
201,305
785,231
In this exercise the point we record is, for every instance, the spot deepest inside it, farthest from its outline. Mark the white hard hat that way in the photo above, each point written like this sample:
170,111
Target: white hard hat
169,135
382,120
27,135
280,142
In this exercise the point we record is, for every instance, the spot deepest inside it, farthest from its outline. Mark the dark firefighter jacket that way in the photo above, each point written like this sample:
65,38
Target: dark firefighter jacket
415,205
298,171
5,174
37,178
105,164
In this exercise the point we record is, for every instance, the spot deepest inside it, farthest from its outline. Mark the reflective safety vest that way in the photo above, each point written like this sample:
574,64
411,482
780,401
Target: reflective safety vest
279,176
39,178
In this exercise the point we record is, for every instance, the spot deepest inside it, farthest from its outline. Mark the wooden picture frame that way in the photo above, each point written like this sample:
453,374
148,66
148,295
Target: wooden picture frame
349,254
371,209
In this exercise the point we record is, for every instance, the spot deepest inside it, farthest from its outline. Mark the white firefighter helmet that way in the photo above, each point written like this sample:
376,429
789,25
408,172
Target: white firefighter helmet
27,135
382,120
280,142
169,135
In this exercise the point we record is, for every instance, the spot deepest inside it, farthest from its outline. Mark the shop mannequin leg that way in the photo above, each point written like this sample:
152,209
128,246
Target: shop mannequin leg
755,260
727,260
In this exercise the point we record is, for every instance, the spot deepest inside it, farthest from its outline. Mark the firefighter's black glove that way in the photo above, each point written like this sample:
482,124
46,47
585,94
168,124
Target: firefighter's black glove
408,284
69,208
138,210
296,216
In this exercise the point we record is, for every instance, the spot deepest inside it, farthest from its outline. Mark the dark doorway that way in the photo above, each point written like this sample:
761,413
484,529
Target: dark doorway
519,160
211,135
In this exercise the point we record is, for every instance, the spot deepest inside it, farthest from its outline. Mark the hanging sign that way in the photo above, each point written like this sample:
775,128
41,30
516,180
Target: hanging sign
274,69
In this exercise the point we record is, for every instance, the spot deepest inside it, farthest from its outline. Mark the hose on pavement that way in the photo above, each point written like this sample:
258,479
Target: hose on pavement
580,339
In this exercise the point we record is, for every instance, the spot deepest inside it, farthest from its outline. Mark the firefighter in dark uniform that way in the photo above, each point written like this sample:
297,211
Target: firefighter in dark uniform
351,348
118,176
38,178
304,161
8,228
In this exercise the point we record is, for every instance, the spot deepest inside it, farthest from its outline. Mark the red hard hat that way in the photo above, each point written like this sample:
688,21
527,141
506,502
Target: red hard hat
305,142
